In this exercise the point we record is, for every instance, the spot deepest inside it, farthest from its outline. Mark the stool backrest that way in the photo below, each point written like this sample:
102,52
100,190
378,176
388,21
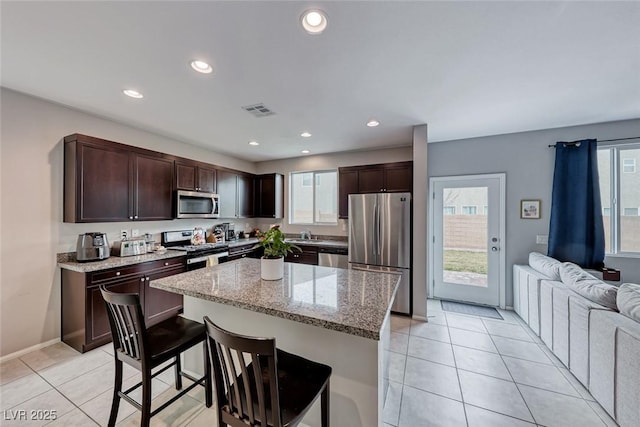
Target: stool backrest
245,375
127,323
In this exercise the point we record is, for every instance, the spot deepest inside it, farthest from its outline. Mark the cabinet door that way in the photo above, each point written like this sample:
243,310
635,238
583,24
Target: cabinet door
309,255
245,196
398,178
102,193
206,179
158,304
269,196
153,183
227,190
98,329
371,180
347,184
185,176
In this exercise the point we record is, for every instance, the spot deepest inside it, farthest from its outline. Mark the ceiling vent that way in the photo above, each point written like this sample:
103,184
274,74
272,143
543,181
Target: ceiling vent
258,110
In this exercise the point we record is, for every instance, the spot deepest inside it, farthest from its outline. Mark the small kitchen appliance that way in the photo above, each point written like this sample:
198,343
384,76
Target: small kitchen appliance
196,255
92,246
132,247
231,231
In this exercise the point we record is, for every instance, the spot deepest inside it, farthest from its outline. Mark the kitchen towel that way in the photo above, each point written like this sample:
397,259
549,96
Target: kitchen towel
212,260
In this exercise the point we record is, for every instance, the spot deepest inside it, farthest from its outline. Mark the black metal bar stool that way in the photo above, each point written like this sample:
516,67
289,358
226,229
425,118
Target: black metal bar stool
145,349
260,385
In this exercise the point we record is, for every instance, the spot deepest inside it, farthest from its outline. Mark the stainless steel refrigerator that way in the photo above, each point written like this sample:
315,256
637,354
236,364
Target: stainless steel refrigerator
380,238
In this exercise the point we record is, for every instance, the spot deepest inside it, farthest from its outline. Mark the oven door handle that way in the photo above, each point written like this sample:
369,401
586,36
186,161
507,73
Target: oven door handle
204,258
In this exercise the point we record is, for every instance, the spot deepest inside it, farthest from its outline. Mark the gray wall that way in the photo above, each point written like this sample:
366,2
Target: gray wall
528,164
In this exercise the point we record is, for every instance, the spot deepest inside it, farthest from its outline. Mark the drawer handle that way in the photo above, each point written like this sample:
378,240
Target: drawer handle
117,273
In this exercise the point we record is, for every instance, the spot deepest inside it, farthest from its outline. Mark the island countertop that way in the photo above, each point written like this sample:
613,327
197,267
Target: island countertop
350,301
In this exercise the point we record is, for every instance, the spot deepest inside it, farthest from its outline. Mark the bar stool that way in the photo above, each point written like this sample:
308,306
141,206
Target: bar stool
145,349
274,389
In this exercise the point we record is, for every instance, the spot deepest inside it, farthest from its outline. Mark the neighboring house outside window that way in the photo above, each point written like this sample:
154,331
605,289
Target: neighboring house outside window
313,204
620,196
469,210
449,210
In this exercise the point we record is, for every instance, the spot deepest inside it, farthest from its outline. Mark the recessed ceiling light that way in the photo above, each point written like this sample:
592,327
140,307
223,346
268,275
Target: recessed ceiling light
373,123
305,151
254,143
201,66
133,93
305,134
314,21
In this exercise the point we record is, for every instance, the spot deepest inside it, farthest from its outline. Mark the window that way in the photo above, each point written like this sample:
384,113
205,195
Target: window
620,195
469,210
485,210
629,165
313,204
449,210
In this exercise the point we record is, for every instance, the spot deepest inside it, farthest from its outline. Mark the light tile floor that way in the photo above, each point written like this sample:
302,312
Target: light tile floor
455,370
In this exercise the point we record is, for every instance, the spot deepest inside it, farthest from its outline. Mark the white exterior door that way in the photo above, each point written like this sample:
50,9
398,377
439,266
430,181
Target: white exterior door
467,235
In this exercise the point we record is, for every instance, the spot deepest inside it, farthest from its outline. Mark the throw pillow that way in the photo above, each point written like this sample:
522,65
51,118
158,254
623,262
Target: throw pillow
546,265
629,300
586,285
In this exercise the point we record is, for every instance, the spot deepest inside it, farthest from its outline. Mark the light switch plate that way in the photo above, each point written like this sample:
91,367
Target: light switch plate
542,239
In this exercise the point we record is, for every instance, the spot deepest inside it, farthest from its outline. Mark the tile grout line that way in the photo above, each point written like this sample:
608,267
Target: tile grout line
455,363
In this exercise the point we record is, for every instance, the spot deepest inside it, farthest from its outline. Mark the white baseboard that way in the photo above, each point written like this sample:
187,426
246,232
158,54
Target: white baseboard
28,350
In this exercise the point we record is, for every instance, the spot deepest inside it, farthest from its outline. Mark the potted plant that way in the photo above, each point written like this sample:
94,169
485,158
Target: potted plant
275,249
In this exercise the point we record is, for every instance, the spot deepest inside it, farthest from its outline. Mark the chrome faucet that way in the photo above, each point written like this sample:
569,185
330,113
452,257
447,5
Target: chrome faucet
305,235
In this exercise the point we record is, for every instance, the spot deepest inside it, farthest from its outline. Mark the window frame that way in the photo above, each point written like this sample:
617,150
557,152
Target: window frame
632,165
615,176
314,184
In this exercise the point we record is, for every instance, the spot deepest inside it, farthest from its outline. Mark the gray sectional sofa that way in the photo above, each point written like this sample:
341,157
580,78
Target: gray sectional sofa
592,327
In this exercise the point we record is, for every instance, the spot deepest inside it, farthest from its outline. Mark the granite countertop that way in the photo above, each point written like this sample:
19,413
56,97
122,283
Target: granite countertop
319,242
68,261
350,301
242,242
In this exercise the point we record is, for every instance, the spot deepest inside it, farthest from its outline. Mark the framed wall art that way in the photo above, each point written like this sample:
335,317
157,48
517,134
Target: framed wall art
530,209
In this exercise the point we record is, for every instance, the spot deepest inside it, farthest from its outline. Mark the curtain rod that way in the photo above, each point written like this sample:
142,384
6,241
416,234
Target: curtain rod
571,143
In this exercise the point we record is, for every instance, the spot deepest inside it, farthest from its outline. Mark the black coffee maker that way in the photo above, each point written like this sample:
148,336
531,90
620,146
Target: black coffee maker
230,228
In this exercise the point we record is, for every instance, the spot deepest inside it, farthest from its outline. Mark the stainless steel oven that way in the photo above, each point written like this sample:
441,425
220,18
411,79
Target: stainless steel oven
194,204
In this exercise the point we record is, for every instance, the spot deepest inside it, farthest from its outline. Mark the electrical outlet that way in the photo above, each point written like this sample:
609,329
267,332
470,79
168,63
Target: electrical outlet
542,239
124,234
135,232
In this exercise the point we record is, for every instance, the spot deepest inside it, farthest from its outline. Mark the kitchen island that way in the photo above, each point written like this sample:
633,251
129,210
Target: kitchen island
334,316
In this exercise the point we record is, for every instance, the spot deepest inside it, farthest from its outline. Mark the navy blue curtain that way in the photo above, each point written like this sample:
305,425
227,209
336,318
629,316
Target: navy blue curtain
576,232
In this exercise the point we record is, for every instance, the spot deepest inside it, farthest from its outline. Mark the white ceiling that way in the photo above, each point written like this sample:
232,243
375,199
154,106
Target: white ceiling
466,69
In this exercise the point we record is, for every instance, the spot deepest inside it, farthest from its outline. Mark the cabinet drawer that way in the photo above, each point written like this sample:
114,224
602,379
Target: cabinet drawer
304,257
129,270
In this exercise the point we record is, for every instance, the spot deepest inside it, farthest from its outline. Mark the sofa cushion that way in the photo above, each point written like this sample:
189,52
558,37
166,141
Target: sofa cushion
629,300
584,284
548,266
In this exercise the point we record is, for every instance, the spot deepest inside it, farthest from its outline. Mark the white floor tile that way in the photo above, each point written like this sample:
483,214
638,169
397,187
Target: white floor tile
75,418
432,377
391,412
480,362
521,349
539,375
399,342
420,408
65,371
493,394
466,322
582,391
470,339
434,351
507,330
397,364
433,305
12,370
437,317
430,330
478,417
559,410
609,422
400,324
21,390
510,316
48,356
41,409
207,417
179,413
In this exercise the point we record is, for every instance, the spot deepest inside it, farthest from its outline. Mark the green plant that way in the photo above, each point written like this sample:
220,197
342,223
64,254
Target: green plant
273,243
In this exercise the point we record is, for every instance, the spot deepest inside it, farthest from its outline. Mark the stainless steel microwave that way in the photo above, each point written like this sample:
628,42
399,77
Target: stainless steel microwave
194,204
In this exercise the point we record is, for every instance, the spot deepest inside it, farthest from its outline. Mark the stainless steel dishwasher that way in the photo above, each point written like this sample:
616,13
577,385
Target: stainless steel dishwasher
333,257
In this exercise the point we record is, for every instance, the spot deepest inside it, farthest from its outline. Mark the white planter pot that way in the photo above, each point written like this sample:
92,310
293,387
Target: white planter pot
272,269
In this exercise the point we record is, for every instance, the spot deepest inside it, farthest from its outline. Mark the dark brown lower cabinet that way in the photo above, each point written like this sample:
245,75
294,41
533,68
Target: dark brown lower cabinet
309,255
85,324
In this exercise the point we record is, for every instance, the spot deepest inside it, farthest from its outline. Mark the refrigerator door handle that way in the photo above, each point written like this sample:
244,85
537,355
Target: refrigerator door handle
376,225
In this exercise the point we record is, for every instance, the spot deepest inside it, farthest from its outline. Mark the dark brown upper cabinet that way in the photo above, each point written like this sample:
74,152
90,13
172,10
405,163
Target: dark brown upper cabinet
269,195
105,181
379,178
236,194
194,176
